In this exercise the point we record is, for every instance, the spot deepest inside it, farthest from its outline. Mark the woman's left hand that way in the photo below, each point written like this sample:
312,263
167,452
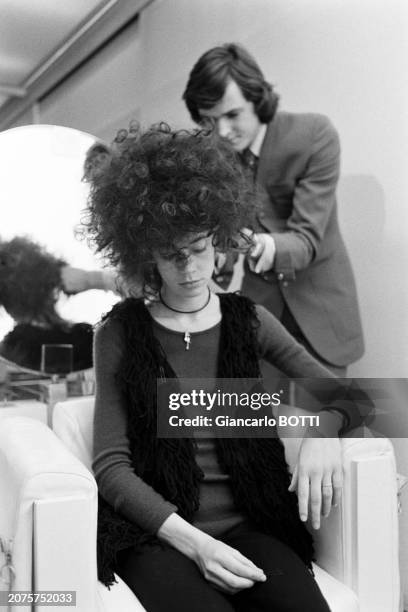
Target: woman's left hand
318,477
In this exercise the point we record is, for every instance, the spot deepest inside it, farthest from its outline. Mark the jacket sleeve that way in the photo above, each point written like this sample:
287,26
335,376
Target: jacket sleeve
313,202
344,396
117,482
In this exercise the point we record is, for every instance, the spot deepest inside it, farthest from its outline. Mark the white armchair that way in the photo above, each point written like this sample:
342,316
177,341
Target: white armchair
49,507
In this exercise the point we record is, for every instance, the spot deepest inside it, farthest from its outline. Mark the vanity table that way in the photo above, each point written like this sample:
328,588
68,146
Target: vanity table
31,394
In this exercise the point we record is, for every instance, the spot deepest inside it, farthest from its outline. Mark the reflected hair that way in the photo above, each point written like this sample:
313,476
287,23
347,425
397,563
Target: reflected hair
30,279
97,157
213,71
159,186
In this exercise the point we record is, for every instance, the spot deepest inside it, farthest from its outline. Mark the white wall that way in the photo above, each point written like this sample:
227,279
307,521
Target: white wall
104,93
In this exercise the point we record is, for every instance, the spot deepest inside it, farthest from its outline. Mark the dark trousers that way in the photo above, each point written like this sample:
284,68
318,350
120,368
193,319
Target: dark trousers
165,580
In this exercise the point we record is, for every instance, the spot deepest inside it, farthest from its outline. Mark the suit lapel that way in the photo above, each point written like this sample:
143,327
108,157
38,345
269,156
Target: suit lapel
269,162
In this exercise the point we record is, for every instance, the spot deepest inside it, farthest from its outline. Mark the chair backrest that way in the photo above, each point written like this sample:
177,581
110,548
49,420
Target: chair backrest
73,423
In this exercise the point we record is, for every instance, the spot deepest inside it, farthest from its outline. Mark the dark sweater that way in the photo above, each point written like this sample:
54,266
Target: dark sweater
117,482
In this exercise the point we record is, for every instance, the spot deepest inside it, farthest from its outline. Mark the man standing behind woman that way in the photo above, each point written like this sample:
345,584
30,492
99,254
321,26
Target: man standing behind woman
299,268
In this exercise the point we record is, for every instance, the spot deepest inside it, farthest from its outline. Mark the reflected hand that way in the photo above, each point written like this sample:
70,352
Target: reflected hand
318,477
74,280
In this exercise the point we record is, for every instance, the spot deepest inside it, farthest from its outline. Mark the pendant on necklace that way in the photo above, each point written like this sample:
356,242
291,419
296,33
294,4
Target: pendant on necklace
187,340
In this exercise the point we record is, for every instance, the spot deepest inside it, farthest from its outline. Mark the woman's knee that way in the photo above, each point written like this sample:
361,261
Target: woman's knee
290,586
282,597
165,580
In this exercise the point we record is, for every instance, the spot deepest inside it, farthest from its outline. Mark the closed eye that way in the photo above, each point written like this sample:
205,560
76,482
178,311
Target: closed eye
199,250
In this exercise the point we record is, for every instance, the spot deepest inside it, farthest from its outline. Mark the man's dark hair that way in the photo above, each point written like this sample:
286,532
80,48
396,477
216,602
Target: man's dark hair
211,74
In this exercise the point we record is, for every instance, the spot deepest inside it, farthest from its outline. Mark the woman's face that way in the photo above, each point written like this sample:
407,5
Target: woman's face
186,270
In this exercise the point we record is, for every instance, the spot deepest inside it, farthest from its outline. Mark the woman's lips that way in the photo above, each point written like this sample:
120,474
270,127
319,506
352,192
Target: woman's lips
191,283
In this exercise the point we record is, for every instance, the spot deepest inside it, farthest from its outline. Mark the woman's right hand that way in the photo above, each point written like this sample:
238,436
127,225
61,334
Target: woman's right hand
222,565
226,567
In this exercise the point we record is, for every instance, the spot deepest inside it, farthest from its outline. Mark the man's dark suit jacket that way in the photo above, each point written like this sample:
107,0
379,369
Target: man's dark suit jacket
299,168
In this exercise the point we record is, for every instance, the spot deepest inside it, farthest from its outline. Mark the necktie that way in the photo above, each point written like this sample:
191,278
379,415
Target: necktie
250,161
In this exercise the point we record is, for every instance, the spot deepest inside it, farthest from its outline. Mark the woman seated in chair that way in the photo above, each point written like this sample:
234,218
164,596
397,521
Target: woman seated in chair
30,285
205,523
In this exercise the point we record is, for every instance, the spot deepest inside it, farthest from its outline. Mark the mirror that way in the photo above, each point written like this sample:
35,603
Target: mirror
42,197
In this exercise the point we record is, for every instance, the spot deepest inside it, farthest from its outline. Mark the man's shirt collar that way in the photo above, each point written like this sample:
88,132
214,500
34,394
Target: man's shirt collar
256,145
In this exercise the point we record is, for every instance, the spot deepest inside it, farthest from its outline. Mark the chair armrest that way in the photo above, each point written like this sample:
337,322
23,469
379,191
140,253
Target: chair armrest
370,523
358,542
45,488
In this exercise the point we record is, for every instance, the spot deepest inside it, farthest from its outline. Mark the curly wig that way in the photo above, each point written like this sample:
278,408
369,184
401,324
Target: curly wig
30,279
159,186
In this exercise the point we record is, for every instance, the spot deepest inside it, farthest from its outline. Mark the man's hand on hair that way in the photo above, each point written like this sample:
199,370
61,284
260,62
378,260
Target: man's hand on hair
262,255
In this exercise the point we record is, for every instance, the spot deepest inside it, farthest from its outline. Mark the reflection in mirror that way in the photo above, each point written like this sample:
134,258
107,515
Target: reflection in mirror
42,198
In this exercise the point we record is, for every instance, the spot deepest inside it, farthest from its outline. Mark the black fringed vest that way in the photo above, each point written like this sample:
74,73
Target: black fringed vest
257,467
